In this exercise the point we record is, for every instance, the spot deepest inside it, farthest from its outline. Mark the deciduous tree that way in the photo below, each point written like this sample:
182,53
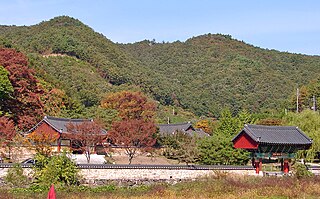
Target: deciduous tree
204,125
7,130
309,122
5,85
130,105
136,128
84,136
42,142
7,133
25,105
181,147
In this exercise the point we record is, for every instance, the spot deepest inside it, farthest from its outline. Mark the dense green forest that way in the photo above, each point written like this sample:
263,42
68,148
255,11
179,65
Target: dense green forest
200,76
211,72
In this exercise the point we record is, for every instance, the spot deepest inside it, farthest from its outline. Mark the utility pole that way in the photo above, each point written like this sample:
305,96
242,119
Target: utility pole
297,100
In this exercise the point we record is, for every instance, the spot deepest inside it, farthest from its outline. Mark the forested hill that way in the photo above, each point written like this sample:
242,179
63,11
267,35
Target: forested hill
214,71
203,74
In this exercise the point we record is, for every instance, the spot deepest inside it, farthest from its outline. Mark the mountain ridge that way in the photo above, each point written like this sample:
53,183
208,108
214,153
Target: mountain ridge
204,74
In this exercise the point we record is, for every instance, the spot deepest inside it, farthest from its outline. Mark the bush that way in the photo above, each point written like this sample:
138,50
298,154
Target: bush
58,170
218,150
15,177
301,171
181,147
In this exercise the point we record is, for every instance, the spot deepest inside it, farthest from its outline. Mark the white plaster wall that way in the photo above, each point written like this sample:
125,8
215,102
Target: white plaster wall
153,174
144,174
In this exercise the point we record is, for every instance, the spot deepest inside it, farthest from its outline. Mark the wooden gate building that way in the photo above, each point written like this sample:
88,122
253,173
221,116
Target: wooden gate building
280,142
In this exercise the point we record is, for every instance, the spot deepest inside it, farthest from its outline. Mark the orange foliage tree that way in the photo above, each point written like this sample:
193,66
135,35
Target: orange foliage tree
7,130
204,125
54,101
136,127
84,136
42,142
7,133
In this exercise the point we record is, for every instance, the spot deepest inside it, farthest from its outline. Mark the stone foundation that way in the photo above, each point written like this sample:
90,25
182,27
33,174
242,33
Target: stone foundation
141,176
145,176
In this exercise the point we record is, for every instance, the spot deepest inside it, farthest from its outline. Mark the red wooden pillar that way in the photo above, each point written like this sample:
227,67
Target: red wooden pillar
258,165
59,144
286,166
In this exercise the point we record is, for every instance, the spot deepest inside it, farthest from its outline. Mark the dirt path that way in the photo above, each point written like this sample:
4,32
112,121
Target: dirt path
141,159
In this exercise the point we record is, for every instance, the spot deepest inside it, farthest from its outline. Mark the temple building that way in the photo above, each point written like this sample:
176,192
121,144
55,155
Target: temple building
264,142
58,127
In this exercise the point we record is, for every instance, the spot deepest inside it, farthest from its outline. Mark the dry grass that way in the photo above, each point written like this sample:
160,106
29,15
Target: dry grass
248,187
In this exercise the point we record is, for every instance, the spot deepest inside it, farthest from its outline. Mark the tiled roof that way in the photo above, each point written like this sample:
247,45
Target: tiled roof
200,133
60,124
276,134
181,127
172,128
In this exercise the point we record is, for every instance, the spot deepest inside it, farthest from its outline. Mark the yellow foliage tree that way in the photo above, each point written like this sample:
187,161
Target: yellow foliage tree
204,125
42,142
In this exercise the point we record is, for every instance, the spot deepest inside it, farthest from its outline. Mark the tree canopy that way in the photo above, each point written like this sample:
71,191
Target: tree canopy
218,149
25,106
202,74
85,137
135,129
5,85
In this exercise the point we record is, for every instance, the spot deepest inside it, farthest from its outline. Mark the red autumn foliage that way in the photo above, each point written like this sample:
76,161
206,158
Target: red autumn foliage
7,130
136,128
133,135
84,136
25,105
130,105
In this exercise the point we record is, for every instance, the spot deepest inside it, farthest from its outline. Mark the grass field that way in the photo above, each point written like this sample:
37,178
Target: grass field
224,187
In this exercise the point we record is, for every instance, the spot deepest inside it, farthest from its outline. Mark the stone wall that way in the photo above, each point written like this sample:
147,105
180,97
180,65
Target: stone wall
98,176
138,176
26,171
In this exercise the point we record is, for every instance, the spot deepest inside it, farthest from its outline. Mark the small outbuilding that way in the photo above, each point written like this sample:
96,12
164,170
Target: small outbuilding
58,127
271,141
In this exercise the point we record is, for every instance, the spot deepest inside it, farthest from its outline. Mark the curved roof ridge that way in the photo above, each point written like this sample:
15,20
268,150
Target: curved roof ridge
270,127
300,131
65,119
175,124
276,134
249,132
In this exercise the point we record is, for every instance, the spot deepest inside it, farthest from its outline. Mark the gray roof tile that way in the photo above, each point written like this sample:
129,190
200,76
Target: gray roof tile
276,134
60,124
181,127
172,128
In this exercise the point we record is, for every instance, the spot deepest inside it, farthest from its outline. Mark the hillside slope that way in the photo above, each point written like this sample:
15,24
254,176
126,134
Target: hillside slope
203,74
215,71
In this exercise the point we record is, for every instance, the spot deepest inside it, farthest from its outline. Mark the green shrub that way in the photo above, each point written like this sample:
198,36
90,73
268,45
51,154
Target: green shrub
58,170
102,189
300,171
15,177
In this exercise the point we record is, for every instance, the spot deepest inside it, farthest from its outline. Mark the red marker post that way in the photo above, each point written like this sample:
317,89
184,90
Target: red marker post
51,193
